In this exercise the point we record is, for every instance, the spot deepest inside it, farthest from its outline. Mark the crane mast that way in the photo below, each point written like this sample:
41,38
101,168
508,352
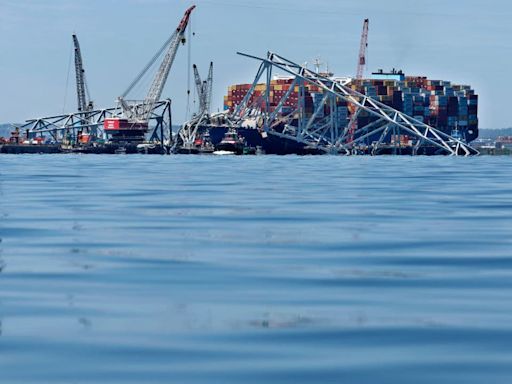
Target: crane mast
209,90
361,65
82,91
204,90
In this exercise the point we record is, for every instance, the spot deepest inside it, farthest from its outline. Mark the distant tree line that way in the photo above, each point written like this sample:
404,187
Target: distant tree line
494,133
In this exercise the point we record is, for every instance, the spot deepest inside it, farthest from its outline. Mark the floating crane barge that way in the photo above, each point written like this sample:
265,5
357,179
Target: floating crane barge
123,129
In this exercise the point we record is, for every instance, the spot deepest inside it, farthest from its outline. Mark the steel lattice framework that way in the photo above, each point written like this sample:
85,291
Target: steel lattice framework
142,110
204,90
82,90
63,127
326,133
361,63
188,132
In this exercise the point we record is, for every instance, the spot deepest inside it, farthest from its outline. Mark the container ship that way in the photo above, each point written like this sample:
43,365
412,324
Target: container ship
449,107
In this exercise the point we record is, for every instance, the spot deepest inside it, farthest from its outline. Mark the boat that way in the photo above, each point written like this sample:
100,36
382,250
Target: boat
151,149
231,142
203,144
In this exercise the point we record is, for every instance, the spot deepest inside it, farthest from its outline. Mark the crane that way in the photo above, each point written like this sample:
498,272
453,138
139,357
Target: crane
84,99
140,112
204,90
361,65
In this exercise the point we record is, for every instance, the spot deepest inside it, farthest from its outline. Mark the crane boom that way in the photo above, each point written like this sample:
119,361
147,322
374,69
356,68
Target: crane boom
157,87
81,84
142,110
204,90
200,89
133,124
361,65
209,90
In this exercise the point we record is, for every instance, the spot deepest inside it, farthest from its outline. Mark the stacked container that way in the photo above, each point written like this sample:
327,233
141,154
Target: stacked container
438,103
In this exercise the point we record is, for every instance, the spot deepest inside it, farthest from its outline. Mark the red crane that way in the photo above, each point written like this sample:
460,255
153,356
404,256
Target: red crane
136,115
361,65
362,51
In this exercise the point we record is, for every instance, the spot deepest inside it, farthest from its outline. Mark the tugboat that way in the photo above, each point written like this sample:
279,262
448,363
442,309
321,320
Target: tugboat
201,145
231,144
204,144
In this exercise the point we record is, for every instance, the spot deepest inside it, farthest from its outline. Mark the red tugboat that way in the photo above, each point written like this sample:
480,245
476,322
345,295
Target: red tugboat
231,144
204,144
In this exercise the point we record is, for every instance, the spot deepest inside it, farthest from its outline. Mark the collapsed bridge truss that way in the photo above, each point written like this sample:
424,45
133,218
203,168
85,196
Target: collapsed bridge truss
62,128
325,132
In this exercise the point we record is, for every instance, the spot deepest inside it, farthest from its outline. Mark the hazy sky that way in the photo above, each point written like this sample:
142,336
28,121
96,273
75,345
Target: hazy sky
465,41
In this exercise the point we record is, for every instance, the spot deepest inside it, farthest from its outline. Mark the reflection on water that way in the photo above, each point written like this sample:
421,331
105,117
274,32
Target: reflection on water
255,269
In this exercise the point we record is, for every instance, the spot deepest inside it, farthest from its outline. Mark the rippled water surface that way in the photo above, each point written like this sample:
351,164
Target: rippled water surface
186,269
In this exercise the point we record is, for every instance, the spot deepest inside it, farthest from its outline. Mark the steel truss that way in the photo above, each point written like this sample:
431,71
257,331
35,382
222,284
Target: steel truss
65,128
327,133
188,132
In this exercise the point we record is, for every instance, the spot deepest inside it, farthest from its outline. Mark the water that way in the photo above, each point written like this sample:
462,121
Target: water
185,269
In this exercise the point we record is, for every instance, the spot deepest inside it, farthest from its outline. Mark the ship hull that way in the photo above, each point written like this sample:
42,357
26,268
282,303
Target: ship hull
19,149
273,144
270,145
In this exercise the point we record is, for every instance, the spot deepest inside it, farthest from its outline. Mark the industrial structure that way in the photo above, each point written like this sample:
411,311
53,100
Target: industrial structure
130,127
133,123
361,62
204,90
291,109
291,122
85,104
188,133
361,66
287,109
83,131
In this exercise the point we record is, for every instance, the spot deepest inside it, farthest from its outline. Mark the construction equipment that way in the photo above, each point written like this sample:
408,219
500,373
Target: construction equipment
188,133
155,91
61,128
204,90
361,65
82,90
135,114
124,128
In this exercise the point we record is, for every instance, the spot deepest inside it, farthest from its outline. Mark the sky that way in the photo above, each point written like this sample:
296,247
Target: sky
464,41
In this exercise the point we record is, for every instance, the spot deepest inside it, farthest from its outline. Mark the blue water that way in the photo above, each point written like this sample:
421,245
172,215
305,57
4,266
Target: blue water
184,269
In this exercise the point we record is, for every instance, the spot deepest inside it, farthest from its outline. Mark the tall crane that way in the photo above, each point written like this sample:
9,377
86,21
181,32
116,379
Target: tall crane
82,90
204,90
141,111
361,65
